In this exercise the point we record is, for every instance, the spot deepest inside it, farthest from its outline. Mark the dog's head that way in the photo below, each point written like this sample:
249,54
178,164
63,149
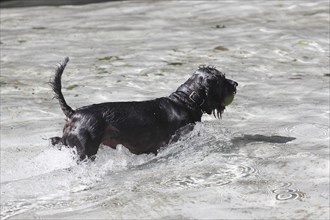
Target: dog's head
209,88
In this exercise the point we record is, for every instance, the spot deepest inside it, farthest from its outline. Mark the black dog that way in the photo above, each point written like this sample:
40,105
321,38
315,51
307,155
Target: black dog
146,126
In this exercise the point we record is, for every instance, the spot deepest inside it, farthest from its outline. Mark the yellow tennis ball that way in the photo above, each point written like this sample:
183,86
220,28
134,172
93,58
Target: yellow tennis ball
228,100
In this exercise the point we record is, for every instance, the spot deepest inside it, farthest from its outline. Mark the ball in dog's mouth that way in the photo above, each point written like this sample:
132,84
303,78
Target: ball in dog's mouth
228,99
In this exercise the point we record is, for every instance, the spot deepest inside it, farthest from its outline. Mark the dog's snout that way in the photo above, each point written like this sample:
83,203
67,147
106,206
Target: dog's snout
232,82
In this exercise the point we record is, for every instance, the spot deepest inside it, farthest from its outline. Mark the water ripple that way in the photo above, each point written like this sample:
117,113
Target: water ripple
202,179
246,171
284,193
309,131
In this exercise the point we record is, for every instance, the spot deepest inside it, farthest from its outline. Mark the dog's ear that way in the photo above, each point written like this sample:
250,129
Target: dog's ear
210,83
212,88
208,110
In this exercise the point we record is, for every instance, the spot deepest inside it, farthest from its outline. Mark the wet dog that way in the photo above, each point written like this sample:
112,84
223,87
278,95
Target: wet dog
145,126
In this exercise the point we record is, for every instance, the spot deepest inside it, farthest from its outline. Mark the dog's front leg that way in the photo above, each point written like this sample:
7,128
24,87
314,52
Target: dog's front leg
181,132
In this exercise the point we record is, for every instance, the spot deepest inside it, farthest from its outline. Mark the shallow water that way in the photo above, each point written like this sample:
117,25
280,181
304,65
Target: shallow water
267,158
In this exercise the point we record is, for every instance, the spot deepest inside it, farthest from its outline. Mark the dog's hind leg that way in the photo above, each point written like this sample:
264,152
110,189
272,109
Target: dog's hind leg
56,142
85,132
86,145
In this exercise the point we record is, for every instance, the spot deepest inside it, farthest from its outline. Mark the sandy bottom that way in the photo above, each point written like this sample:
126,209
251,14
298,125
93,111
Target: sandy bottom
267,158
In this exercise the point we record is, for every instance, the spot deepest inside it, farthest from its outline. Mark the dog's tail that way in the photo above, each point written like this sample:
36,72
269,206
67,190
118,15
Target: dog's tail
56,85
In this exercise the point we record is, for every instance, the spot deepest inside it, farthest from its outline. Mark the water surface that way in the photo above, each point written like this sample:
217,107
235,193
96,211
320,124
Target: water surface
267,158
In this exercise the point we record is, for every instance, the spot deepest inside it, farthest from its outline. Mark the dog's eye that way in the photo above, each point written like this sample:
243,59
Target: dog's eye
219,82
210,81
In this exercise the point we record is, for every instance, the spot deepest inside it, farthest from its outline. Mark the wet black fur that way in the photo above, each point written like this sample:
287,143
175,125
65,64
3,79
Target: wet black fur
145,126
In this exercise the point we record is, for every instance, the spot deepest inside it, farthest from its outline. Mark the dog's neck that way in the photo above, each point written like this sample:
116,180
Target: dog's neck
192,99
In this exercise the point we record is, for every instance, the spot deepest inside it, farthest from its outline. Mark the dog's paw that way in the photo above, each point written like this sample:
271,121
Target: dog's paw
85,159
56,142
